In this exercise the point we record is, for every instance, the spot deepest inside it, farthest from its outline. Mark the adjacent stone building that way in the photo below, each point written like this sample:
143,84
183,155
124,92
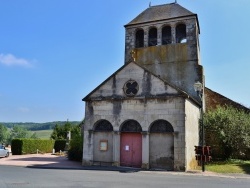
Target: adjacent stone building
146,114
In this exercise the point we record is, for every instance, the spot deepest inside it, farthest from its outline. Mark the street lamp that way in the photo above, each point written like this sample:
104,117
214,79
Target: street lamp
198,87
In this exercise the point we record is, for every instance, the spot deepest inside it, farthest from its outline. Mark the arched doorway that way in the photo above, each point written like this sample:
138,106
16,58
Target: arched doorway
131,144
161,145
103,142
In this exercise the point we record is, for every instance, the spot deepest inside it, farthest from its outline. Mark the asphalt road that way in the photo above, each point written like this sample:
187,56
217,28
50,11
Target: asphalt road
13,176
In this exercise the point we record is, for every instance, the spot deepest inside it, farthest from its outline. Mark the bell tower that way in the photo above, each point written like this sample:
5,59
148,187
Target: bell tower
165,40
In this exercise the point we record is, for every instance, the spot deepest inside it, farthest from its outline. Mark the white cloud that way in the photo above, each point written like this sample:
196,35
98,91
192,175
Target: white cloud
11,60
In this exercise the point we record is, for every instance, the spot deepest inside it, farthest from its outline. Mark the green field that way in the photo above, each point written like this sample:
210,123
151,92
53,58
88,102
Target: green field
43,134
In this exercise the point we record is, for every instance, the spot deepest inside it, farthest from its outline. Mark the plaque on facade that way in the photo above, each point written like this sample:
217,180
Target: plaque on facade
103,145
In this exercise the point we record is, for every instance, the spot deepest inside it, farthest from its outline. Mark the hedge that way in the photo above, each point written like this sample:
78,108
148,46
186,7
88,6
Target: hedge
30,146
60,145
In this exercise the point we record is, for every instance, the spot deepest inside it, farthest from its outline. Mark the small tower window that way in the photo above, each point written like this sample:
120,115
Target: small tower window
166,35
181,36
139,38
152,37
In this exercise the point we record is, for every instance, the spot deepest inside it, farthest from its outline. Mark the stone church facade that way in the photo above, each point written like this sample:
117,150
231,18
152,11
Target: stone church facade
146,114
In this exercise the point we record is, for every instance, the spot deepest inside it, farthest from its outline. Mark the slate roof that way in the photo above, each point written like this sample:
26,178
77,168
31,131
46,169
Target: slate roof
161,12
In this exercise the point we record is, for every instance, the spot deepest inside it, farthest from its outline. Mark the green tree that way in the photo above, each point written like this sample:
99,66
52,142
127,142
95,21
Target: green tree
56,134
228,132
60,132
4,134
19,132
75,145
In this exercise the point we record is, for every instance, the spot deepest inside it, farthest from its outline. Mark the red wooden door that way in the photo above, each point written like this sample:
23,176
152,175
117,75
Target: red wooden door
131,149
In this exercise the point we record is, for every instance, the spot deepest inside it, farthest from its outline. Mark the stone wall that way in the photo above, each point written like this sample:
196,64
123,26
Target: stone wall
191,30
192,133
143,111
101,156
178,64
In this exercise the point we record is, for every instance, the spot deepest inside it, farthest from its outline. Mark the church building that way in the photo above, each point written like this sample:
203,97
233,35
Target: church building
146,114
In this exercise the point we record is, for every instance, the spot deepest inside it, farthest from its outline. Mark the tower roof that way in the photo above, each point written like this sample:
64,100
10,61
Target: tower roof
161,12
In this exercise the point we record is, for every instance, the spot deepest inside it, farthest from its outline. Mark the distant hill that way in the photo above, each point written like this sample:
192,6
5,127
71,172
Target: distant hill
39,126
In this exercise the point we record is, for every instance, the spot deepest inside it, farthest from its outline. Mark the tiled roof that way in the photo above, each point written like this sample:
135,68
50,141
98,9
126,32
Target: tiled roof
214,99
161,12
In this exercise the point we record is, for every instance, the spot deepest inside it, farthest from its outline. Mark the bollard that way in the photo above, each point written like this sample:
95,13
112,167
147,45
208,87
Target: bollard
53,151
36,151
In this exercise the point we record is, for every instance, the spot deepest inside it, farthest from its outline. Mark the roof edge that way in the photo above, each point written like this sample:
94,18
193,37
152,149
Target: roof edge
127,25
184,94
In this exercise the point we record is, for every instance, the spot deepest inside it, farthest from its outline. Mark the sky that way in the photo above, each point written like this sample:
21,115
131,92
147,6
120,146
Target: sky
53,53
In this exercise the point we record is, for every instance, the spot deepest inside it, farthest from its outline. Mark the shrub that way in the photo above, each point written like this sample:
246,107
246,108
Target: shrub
76,148
228,132
16,147
59,145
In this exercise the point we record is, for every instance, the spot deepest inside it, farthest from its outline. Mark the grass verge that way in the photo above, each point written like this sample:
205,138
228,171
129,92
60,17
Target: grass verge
229,166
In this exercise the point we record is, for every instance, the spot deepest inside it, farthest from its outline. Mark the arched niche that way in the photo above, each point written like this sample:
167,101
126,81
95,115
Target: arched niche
166,35
131,126
139,38
152,36
181,35
103,126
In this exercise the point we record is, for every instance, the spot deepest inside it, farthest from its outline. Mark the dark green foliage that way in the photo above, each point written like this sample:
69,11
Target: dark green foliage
76,145
76,148
16,146
227,131
59,145
4,134
29,146
60,132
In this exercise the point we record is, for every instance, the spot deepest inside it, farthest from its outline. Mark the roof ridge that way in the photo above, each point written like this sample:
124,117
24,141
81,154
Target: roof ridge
163,4
161,12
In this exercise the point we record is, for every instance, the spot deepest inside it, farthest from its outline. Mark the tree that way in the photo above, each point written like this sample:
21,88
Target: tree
19,132
60,132
4,134
76,144
57,133
228,132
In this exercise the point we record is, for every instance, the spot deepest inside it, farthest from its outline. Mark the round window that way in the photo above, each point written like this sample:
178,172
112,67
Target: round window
130,88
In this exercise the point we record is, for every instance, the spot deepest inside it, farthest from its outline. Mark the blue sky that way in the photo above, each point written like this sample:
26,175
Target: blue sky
54,52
